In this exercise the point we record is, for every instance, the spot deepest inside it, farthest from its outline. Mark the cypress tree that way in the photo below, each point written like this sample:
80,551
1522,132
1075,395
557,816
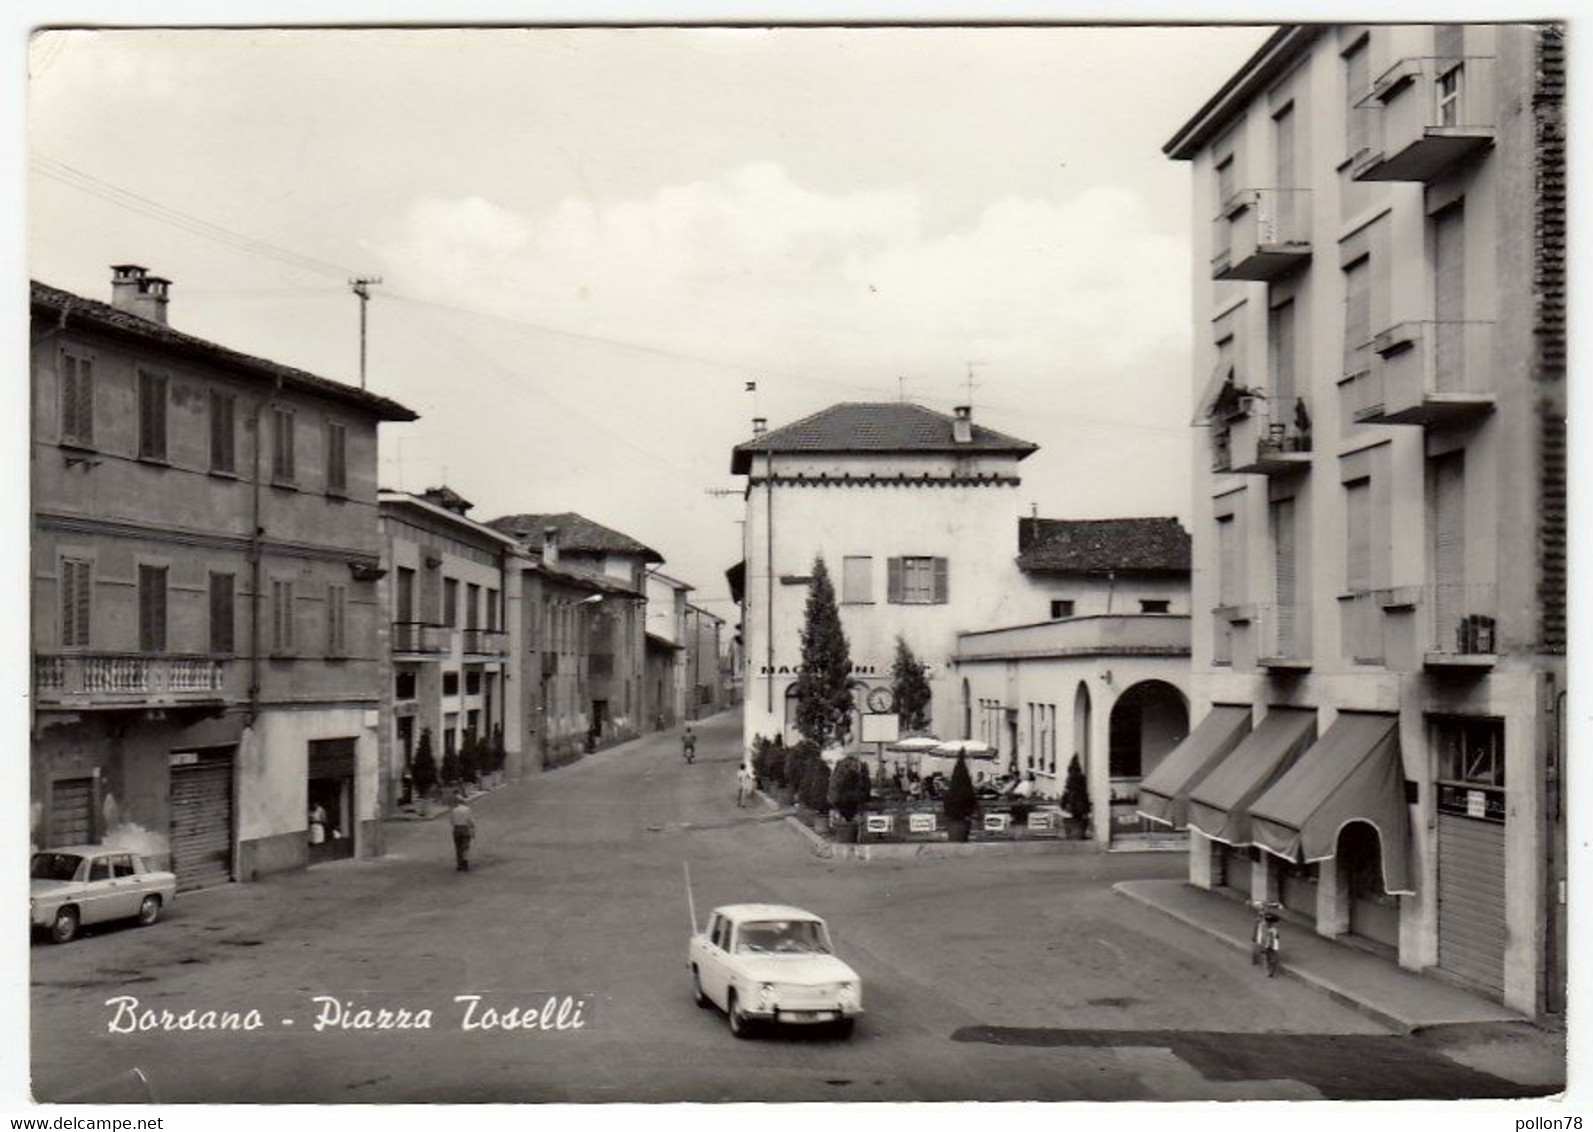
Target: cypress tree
424,767
910,688
824,696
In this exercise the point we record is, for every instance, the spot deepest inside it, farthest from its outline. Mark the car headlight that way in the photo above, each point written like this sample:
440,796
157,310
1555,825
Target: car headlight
766,995
847,995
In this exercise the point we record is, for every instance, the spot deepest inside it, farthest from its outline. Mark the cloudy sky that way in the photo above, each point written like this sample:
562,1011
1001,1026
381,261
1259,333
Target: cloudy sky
590,240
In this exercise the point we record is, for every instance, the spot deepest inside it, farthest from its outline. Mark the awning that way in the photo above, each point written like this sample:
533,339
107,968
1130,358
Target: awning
1164,794
1219,806
1353,774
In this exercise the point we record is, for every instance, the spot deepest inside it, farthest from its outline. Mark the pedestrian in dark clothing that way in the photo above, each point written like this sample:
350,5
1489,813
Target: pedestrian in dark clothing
688,743
464,826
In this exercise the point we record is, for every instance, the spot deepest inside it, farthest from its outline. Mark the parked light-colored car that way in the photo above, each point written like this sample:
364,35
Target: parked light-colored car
772,963
76,885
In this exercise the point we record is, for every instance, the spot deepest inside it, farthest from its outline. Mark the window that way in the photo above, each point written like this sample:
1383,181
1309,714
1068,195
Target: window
1225,180
1357,316
450,683
472,606
451,733
1154,606
473,683
916,581
337,620
1357,85
151,416
336,457
77,400
221,614
281,616
473,724
404,685
1227,560
492,609
100,869
857,580
76,599
451,602
1470,751
282,450
1358,532
151,608
122,866
1281,359
1061,607
223,432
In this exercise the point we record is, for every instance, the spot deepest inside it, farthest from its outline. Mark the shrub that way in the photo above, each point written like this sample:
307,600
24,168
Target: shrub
469,759
450,768
423,768
1076,793
796,761
960,803
849,787
816,786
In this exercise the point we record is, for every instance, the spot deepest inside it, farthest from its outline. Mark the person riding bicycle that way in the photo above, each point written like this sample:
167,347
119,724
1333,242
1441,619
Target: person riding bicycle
1264,940
688,744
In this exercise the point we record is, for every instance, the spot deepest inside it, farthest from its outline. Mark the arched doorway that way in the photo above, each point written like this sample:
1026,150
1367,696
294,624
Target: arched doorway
1374,914
1148,720
1081,727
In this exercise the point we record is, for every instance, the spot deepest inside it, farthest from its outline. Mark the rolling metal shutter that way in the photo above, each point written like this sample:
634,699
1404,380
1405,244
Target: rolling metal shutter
201,823
1283,574
72,811
1471,903
1449,298
1236,869
1283,137
1449,548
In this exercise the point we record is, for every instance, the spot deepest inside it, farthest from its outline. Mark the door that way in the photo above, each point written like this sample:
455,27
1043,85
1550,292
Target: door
201,822
1471,903
99,903
1283,577
1374,914
127,890
1449,550
331,787
1283,150
1449,299
1236,867
715,967
71,811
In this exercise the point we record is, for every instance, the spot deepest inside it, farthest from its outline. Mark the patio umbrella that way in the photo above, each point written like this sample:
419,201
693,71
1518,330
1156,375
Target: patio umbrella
967,748
915,743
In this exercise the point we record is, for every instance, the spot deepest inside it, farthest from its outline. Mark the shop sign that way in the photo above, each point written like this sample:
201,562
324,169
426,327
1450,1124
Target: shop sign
1040,820
921,823
879,823
997,823
1476,804
796,670
185,758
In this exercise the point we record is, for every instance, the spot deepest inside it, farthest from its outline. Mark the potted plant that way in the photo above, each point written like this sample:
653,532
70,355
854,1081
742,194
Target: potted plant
423,769
815,794
1075,802
960,805
1020,819
848,793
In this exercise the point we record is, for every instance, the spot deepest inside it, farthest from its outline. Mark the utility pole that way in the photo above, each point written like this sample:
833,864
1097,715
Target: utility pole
361,287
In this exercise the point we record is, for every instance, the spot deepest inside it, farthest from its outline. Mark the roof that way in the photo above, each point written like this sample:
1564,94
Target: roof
740,913
653,640
103,316
1271,59
736,576
391,500
576,533
1102,546
582,579
874,427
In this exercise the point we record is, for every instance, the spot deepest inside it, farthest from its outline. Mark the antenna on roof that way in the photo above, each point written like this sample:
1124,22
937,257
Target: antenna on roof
972,384
362,288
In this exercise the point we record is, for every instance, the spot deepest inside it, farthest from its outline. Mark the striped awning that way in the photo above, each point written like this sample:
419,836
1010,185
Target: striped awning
1353,773
1219,806
1164,794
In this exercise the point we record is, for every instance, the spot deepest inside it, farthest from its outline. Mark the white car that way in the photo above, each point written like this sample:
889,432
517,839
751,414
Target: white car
76,885
772,963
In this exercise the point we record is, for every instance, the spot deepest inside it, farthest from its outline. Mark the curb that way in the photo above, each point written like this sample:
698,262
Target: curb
1316,982
908,850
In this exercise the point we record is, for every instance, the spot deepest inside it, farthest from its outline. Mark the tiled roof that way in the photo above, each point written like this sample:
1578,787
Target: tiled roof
75,308
1099,546
576,533
859,426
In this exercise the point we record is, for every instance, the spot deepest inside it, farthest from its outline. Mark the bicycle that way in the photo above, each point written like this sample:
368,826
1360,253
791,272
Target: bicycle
1264,938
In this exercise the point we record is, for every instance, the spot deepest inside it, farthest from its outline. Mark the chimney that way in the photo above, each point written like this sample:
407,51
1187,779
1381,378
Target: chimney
760,425
448,499
962,424
135,291
550,546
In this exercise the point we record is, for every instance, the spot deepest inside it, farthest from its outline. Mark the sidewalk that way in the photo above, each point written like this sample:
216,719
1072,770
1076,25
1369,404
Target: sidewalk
1400,999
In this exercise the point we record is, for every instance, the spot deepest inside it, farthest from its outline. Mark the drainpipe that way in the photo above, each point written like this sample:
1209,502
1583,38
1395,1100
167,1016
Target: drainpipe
256,531
768,579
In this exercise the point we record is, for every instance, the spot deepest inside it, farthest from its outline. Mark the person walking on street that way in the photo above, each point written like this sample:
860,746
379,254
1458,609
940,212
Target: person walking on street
746,783
464,826
688,744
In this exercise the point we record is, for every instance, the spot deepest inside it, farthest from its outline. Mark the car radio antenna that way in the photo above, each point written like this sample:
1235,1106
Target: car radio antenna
691,903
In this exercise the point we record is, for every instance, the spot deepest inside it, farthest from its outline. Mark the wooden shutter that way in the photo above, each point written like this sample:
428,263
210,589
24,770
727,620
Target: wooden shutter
1449,298
223,448
1357,84
221,613
152,415
1283,588
893,580
152,608
75,601
1280,337
1227,561
1283,179
942,586
1358,531
1357,314
1449,548
70,412
336,457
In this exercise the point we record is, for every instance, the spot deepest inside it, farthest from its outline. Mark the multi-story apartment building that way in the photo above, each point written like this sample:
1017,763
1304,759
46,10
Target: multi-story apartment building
706,689
585,562
452,587
1098,668
1379,577
665,680
206,631
915,515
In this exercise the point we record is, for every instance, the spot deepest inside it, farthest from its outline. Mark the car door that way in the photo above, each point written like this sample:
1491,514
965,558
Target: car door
98,900
126,886
715,969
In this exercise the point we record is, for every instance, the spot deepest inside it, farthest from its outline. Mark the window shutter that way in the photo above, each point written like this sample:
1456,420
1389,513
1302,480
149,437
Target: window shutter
893,580
1358,519
1227,561
74,577
941,586
69,398
221,613
1449,297
152,608
1357,315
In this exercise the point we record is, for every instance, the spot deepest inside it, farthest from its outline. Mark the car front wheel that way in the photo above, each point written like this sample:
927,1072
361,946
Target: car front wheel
64,929
696,986
149,910
740,1025
843,1028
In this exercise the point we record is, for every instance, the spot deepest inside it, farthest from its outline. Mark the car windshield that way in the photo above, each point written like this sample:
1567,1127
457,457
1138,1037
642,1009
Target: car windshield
55,866
783,937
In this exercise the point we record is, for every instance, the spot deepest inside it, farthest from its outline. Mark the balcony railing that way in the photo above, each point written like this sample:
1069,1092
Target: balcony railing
1261,233
1282,634
1430,113
486,642
1428,373
1462,625
1271,439
1107,634
102,679
419,638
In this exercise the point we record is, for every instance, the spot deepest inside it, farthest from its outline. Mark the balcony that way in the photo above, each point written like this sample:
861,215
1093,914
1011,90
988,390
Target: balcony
419,639
1462,629
1269,440
1430,114
489,643
97,680
1430,374
1261,234
1283,635
1110,634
